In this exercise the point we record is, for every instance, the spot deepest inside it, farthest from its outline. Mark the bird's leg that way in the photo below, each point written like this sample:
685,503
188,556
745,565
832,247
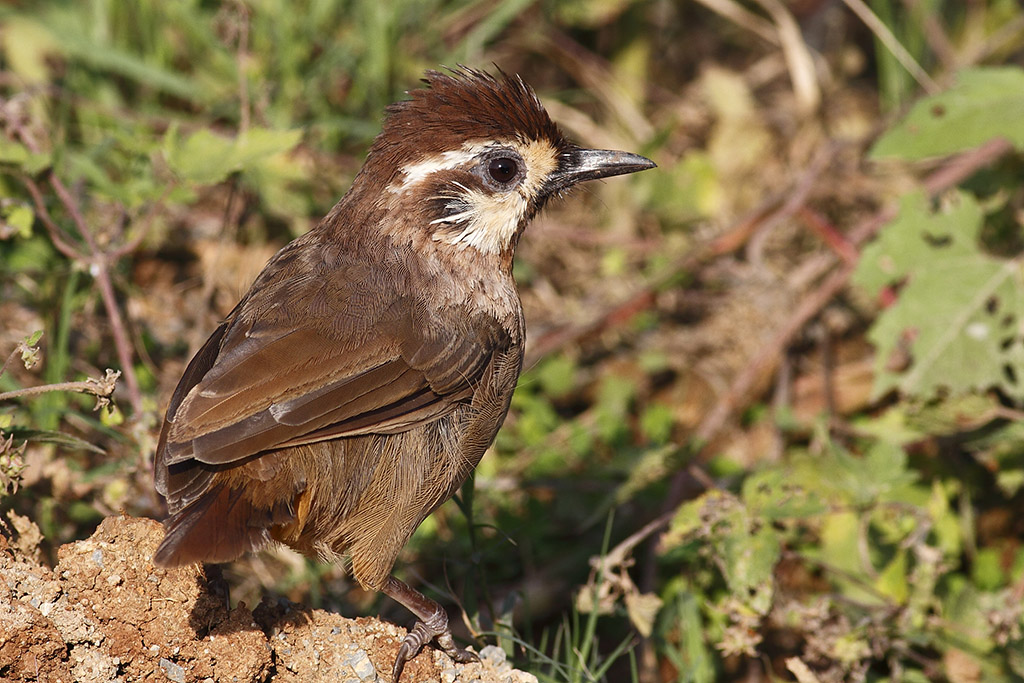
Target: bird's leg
432,623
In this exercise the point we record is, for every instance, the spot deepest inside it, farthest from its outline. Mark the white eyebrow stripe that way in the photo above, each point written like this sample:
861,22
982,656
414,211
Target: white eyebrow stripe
413,174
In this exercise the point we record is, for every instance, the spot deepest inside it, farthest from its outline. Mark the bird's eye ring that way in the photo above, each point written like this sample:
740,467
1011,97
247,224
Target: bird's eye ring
502,169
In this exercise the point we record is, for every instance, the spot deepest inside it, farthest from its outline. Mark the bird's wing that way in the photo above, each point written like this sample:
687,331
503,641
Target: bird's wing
270,378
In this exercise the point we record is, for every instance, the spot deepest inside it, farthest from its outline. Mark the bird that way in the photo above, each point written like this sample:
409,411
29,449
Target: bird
359,381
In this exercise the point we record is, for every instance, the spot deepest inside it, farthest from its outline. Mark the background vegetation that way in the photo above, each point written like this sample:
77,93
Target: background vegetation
771,425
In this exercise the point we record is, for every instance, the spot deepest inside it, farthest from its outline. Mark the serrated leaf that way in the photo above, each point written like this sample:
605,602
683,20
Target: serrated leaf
844,478
958,317
984,103
918,237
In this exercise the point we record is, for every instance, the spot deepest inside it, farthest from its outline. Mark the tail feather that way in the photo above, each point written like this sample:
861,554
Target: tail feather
219,526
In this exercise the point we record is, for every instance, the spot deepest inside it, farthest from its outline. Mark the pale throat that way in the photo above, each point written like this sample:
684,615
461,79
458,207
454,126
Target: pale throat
483,220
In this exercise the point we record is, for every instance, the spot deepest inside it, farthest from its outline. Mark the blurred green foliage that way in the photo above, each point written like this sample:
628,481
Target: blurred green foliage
859,552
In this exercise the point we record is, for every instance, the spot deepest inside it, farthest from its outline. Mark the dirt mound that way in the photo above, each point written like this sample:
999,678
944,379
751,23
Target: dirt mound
105,613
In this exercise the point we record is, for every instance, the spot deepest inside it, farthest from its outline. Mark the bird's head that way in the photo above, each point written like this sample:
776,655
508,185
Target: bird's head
471,158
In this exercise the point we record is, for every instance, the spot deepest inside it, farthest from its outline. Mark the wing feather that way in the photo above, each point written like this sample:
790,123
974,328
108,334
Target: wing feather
272,377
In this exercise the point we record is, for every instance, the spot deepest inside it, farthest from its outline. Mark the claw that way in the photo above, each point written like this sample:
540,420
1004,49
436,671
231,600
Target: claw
410,647
432,625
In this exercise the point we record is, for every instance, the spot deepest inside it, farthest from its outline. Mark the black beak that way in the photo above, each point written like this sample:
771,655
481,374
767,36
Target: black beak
590,164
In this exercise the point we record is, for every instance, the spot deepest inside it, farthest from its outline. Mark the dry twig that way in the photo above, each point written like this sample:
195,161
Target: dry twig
98,260
100,387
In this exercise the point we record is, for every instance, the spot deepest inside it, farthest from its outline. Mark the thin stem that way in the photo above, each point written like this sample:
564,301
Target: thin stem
122,342
101,388
99,268
56,234
882,32
7,362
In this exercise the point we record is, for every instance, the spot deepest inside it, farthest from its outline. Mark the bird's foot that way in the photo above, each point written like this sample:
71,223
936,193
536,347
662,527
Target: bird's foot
435,627
432,626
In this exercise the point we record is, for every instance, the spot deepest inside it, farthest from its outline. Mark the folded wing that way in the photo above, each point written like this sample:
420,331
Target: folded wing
268,378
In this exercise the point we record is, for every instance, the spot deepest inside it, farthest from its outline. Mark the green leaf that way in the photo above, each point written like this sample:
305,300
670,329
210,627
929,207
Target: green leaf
945,523
749,550
28,46
772,495
16,154
955,324
204,158
649,466
844,560
207,158
839,533
861,480
688,519
987,571
557,375
19,217
750,560
965,618
693,655
257,144
920,237
983,103
12,152
657,422
892,582
111,416
76,45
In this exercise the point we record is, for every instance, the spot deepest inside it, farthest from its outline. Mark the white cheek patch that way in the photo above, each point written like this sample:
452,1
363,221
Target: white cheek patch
487,223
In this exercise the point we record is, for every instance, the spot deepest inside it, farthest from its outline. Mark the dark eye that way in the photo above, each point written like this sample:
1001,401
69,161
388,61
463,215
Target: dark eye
502,169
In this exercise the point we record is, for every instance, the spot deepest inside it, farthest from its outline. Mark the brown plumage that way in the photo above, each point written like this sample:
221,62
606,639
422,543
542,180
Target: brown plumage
357,384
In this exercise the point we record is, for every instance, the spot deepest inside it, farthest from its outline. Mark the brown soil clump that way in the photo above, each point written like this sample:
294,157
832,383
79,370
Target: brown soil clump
106,614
